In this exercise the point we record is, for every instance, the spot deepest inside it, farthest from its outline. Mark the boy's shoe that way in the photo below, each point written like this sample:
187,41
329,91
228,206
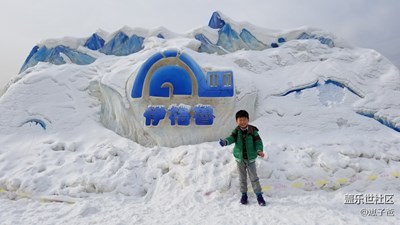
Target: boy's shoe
260,200
244,199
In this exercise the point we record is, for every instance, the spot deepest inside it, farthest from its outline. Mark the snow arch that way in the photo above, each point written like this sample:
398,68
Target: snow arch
175,73
168,69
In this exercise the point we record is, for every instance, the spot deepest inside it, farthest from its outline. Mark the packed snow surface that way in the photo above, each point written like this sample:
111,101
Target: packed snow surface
329,118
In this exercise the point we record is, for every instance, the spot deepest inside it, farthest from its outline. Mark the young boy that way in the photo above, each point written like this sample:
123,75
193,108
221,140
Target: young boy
248,145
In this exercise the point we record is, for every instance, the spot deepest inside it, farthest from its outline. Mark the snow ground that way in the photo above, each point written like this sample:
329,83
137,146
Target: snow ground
319,148
310,208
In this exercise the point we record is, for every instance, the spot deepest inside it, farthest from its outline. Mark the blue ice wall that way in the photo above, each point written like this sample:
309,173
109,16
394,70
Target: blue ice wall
215,21
251,41
208,46
323,40
299,89
317,83
95,42
27,60
53,55
383,121
230,39
122,45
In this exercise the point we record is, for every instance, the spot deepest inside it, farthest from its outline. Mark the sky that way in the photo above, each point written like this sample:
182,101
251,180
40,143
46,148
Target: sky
25,23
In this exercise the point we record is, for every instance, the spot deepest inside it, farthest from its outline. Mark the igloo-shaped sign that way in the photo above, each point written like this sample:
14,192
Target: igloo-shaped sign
174,73
170,76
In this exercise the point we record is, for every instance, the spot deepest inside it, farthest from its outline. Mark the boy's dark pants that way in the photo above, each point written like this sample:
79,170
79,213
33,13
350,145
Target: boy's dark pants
245,167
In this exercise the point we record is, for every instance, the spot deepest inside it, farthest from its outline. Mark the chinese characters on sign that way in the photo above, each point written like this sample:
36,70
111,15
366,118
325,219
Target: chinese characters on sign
203,114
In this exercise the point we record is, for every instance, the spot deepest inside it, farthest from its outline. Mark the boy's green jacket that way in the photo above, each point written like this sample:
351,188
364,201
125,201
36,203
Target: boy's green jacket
253,143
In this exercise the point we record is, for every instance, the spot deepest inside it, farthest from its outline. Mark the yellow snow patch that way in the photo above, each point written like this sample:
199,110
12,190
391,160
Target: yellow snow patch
267,188
55,200
320,183
342,180
396,174
23,194
297,185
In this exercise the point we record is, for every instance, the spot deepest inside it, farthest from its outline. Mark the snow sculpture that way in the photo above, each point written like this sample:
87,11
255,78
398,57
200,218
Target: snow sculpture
173,101
172,77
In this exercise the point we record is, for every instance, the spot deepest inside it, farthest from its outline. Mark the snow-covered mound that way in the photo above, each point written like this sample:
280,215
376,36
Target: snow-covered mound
328,114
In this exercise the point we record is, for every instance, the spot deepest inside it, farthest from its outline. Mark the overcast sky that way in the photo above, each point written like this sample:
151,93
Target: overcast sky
364,23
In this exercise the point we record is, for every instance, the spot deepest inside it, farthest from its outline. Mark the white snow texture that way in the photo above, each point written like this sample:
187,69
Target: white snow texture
87,166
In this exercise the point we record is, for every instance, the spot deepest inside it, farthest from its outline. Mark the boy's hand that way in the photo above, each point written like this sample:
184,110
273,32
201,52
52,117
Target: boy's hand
222,142
261,154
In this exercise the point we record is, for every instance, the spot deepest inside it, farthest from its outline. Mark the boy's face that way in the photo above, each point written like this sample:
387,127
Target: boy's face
242,122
